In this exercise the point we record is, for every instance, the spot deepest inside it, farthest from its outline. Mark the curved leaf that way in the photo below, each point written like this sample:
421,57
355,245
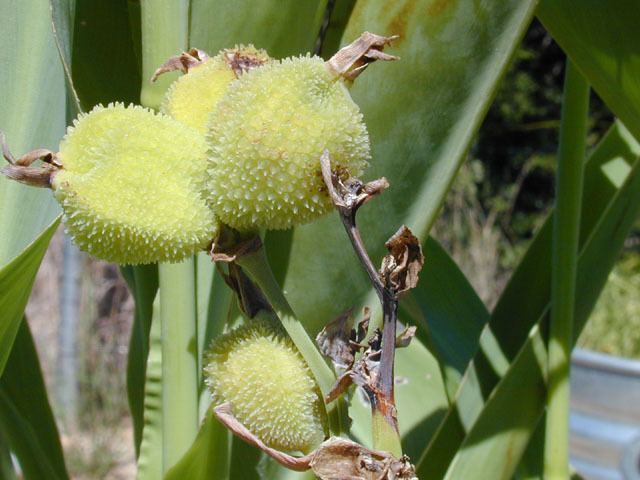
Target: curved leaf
150,457
511,358
282,27
32,115
601,38
203,460
16,281
143,284
422,112
448,313
26,419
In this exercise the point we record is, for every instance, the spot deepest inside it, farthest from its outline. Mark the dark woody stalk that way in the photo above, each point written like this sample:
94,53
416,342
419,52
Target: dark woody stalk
399,273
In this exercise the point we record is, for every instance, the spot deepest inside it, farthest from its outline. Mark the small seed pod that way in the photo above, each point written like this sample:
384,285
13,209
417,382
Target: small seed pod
192,97
130,186
269,132
259,371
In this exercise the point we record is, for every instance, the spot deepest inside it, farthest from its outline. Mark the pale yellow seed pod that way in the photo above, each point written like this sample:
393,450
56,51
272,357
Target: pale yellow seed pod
266,137
131,186
259,371
193,96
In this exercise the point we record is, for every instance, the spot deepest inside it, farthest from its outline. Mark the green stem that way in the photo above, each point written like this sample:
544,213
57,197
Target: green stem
164,33
385,436
179,360
566,232
257,267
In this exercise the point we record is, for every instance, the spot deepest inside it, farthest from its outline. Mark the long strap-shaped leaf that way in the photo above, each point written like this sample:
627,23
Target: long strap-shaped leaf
513,362
16,281
422,113
143,283
601,38
26,419
448,313
282,27
150,457
32,114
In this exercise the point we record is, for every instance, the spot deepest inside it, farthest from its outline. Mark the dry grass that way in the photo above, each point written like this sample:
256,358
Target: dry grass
98,443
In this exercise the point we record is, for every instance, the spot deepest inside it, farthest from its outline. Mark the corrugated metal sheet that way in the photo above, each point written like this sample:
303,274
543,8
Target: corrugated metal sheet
605,416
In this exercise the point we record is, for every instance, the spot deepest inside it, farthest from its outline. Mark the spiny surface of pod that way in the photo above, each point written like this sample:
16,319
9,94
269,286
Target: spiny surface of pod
192,97
258,369
266,137
131,186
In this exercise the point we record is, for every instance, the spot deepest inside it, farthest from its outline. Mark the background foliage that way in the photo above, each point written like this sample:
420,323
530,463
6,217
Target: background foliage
470,361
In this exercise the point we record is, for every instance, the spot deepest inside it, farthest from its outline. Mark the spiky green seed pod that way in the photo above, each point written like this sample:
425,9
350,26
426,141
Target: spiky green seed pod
192,97
258,369
131,186
269,132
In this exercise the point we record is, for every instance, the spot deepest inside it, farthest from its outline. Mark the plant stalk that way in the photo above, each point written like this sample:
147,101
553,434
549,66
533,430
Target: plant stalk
179,360
347,200
257,267
164,33
385,433
566,231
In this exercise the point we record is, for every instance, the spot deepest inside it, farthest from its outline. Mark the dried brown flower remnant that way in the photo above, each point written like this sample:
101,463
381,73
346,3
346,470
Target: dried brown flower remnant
400,268
335,459
352,60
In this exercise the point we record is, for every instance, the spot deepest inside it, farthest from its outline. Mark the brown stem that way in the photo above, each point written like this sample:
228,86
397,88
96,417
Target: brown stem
348,197
348,218
390,319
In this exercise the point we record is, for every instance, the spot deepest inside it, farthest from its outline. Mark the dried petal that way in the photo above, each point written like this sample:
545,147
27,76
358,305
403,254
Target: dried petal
400,269
405,337
350,61
342,459
334,340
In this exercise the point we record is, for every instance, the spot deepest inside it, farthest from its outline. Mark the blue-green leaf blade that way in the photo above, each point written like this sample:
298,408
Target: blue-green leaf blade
422,112
611,203
26,419
601,39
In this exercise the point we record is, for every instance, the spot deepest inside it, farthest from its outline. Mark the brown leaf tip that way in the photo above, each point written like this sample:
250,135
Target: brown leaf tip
352,60
339,458
21,170
183,62
400,268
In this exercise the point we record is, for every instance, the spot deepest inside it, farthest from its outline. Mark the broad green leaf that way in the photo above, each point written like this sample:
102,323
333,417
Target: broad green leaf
203,460
7,471
601,38
492,439
531,465
143,284
282,27
63,19
16,281
98,48
103,61
26,419
335,29
244,460
32,115
448,313
510,343
150,457
422,113
269,469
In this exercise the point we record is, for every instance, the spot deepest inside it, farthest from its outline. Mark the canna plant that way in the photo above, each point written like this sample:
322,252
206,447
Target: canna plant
246,144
